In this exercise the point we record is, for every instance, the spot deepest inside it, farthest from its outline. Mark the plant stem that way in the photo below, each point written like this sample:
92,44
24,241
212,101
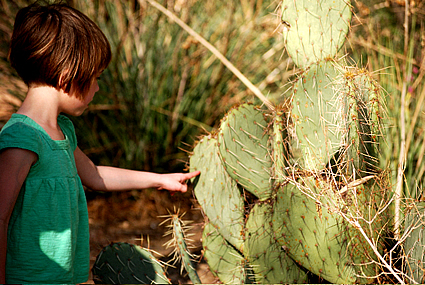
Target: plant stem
218,54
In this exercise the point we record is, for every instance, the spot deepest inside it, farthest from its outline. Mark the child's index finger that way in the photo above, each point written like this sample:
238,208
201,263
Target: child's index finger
193,174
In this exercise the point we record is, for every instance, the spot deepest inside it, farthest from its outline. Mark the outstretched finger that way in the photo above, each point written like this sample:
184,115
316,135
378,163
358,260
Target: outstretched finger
191,174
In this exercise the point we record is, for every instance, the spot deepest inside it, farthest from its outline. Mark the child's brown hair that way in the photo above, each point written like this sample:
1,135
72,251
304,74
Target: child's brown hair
58,46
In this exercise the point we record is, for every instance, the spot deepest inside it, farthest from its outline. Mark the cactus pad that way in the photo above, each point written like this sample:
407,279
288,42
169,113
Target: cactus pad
217,193
243,147
269,261
224,260
318,116
314,29
124,263
311,235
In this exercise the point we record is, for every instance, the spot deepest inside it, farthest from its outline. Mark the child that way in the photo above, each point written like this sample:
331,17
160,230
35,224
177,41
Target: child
44,236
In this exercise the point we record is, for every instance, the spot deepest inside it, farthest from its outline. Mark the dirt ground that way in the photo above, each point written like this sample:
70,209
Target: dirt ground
136,217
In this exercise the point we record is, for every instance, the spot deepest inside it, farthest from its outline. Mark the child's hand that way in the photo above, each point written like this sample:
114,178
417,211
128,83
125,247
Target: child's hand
176,181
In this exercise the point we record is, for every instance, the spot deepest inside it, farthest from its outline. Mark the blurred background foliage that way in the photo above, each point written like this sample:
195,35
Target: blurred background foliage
163,89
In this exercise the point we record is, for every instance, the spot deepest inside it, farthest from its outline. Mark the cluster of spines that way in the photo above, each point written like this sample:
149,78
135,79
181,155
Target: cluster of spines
180,243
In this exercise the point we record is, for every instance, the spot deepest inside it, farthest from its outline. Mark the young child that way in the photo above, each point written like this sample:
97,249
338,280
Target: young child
44,237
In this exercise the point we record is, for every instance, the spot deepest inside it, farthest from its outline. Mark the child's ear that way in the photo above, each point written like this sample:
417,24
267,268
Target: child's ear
62,79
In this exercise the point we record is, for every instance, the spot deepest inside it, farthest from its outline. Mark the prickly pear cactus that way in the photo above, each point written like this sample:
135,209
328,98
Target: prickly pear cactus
299,187
124,263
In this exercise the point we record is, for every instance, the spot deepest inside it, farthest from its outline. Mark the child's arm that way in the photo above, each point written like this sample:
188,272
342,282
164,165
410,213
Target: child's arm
15,164
104,178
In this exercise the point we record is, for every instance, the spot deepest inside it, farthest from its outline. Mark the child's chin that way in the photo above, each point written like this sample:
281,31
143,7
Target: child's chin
77,113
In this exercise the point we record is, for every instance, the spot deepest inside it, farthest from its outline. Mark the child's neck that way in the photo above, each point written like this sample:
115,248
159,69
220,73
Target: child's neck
42,105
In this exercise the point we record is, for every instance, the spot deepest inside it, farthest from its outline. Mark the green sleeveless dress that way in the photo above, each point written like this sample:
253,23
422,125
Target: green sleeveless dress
48,232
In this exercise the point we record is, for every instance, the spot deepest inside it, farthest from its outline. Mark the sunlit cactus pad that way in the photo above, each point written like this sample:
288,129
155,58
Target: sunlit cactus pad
217,193
314,29
243,147
225,262
312,235
335,121
268,259
319,108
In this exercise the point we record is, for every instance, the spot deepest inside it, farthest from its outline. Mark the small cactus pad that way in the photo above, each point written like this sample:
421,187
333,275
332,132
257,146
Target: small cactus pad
217,193
182,250
124,263
243,147
365,130
318,115
314,29
224,260
414,246
269,261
